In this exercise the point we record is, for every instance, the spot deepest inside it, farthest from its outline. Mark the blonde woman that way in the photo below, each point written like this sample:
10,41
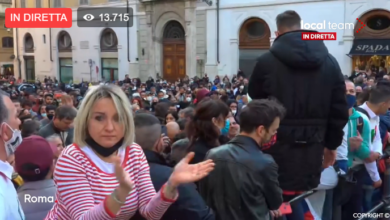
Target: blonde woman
104,174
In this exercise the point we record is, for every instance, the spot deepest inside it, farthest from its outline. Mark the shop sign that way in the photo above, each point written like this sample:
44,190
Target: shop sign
372,48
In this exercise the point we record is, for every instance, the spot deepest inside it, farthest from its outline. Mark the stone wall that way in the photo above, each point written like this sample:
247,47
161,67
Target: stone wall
143,53
201,41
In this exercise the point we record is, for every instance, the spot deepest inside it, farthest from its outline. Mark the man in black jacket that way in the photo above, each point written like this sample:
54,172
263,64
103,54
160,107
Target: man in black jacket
244,184
189,205
308,81
61,125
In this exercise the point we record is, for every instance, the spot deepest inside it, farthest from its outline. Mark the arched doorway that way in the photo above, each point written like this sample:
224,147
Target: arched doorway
254,40
64,44
29,60
371,45
109,62
174,51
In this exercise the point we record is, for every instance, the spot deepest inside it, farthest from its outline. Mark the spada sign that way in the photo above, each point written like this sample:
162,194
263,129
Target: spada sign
372,48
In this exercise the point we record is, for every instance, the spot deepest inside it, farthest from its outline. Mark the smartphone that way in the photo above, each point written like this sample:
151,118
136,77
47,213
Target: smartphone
285,208
164,130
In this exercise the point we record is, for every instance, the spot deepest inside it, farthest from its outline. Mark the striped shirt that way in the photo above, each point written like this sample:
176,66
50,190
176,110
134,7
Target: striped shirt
82,188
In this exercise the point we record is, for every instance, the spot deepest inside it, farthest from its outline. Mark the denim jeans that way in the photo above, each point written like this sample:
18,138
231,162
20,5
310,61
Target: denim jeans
343,164
368,191
297,207
297,211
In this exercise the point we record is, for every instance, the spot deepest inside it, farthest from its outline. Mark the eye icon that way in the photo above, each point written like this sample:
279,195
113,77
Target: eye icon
88,17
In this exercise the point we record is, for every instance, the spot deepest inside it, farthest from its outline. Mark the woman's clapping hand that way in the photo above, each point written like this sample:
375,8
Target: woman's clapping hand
188,173
122,176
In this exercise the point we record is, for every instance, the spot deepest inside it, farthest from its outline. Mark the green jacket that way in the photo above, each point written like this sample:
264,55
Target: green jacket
364,151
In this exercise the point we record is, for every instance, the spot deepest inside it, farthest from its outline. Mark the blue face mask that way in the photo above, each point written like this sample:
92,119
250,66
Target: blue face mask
351,100
225,130
44,115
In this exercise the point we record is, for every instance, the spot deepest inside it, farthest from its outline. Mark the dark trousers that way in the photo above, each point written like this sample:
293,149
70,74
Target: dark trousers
354,205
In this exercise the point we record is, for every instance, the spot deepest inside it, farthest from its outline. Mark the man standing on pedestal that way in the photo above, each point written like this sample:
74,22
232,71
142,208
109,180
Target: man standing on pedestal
308,81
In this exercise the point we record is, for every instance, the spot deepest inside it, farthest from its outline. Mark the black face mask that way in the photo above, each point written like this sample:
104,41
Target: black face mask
104,152
50,116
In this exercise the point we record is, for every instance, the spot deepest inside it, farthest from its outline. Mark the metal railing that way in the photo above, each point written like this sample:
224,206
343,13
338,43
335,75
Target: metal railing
384,204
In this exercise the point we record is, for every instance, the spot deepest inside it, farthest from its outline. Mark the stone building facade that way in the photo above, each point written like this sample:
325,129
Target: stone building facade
247,29
172,38
7,42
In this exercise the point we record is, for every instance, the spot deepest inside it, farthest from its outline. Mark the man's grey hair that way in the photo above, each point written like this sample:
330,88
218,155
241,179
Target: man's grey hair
66,112
179,150
4,113
187,112
52,138
147,130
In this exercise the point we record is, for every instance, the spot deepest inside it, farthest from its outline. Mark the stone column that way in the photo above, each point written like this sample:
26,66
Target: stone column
190,19
150,51
211,43
235,56
346,65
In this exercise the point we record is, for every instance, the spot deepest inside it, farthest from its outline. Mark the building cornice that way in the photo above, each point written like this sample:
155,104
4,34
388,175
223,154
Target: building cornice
9,2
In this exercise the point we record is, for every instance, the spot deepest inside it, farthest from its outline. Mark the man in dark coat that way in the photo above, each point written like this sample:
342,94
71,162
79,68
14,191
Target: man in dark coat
61,125
308,81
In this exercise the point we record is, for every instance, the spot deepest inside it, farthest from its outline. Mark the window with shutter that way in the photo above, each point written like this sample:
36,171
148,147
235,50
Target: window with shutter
57,3
7,42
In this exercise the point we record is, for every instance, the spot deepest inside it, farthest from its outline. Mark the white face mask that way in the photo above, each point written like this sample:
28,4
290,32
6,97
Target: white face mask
241,87
14,142
234,112
188,99
149,98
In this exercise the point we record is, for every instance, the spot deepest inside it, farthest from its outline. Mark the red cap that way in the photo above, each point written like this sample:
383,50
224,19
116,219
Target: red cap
201,94
33,156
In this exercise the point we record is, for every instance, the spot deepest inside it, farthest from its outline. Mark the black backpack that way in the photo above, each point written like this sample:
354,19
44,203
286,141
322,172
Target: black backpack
360,119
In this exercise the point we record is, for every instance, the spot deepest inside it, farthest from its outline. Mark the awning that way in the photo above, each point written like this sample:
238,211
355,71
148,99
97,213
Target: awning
370,47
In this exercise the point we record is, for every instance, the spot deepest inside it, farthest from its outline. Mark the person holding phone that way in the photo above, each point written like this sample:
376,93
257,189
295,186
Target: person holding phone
180,96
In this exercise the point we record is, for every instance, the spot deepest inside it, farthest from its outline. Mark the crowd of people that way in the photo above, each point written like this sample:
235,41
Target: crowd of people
200,149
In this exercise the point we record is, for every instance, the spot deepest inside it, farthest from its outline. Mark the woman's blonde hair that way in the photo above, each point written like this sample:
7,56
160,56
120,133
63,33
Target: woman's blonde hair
122,105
